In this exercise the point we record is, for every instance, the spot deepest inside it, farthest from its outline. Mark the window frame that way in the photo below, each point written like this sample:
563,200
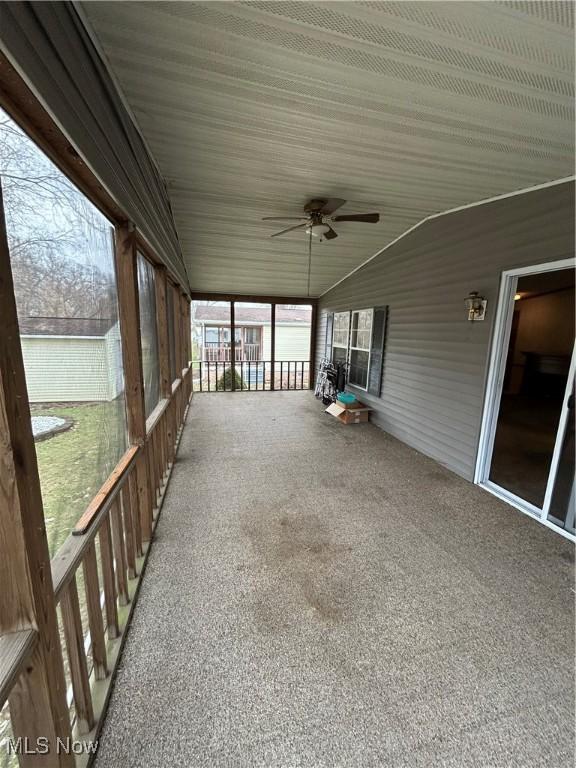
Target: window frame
335,330
350,313
351,349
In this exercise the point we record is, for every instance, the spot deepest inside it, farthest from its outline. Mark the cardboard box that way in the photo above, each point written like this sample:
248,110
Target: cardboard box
355,413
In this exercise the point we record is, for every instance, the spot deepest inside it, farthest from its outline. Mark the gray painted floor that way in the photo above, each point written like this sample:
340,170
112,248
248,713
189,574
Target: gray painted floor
322,595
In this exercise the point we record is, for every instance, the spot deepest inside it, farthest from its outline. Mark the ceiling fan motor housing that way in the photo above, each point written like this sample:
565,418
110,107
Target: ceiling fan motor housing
314,206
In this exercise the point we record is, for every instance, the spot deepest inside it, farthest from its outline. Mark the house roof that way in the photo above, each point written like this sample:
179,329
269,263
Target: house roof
65,326
299,314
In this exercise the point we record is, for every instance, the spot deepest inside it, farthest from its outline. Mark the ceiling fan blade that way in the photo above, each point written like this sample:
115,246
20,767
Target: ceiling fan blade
331,205
330,235
284,218
298,226
368,218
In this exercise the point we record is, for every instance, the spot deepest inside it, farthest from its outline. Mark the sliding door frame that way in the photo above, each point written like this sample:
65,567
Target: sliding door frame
494,387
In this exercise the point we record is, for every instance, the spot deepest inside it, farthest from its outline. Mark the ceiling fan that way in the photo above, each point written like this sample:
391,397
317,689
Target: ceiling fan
318,214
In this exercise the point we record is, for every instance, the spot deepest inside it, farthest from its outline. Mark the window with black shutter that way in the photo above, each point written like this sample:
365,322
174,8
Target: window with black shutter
357,337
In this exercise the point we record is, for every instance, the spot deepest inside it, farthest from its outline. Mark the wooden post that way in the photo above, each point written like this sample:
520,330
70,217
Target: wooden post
129,310
313,333
38,700
232,346
273,344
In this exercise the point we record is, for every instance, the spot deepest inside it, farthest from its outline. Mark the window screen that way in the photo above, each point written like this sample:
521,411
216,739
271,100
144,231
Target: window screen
171,337
63,264
148,334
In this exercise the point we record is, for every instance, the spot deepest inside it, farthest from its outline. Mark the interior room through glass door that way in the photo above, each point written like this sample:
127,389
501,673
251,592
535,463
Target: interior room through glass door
536,378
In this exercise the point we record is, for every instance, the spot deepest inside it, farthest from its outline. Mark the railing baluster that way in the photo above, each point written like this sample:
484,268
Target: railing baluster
208,364
263,375
216,364
108,579
119,554
135,509
92,589
129,530
288,374
302,375
74,636
281,374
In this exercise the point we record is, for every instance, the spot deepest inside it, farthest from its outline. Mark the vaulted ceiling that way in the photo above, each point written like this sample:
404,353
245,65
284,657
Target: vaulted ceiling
406,108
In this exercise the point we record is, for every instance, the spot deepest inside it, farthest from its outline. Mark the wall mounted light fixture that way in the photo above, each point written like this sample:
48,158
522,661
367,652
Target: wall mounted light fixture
475,306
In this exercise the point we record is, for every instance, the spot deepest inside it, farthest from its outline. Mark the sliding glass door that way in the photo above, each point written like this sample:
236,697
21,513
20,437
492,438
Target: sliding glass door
527,446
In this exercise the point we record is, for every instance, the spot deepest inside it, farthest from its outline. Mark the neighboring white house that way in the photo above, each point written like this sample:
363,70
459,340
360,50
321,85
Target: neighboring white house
211,330
71,359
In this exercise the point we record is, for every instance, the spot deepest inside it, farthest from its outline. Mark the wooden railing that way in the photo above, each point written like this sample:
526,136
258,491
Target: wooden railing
250,375
214,353
117,526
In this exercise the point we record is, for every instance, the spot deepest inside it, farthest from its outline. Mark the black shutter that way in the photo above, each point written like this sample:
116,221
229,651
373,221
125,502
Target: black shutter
377,351
329,328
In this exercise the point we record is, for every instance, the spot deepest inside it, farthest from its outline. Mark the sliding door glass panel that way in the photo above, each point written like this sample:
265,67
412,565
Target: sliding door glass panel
535,378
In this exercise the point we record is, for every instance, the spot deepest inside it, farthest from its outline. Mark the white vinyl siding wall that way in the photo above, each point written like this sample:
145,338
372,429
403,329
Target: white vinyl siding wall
70,369
435,361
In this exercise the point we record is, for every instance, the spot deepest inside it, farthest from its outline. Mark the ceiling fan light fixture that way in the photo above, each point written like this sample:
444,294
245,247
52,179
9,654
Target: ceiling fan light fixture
318,230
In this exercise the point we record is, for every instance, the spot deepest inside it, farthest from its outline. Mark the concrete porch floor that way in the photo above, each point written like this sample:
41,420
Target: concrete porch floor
323,595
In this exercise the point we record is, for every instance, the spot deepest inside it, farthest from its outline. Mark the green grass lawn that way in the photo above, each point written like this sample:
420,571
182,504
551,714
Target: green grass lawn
74,464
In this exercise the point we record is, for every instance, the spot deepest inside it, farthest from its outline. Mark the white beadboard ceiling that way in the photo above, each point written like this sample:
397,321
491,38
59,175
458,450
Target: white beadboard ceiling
406,108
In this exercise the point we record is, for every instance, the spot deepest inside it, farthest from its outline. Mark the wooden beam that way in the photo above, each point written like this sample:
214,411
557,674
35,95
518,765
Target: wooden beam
129,312
108,491
162,331
232,347
253,299
38,701
15,648
313,341
273,346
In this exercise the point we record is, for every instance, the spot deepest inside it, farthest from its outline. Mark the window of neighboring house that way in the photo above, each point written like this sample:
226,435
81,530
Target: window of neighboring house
360,342
211,335
148,334
340,337
251,335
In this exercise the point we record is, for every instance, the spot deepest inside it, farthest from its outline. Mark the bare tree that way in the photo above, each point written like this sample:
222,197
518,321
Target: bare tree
60,245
